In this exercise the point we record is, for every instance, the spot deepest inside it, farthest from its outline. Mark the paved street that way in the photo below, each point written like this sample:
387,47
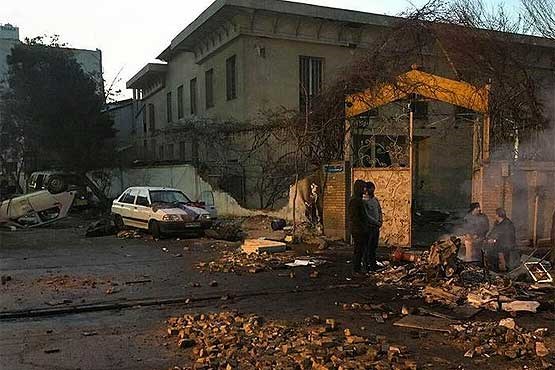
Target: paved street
101,303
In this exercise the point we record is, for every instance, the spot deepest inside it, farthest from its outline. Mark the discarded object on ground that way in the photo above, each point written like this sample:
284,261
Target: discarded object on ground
129,234
517,306
484,298
425,323
278,224
305,262
538,272
229,231
263,246
443,252
35,209
400,255
102,227
229,340
450,295
5,279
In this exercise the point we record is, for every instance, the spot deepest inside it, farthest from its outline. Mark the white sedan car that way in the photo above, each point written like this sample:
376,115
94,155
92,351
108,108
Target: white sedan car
161,211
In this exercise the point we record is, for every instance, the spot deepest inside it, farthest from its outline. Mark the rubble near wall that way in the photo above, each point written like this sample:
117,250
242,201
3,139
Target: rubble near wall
187,179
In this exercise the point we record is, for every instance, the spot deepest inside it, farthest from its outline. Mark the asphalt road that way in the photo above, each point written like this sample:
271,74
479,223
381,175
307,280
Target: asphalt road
133,285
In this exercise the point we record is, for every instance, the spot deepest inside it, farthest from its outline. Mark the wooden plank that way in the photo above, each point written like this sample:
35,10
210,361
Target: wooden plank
456,313
263,245
425,323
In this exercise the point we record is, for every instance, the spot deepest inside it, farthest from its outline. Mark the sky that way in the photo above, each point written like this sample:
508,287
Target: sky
131,33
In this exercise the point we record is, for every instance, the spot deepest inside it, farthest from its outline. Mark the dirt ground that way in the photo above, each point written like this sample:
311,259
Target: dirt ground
102,303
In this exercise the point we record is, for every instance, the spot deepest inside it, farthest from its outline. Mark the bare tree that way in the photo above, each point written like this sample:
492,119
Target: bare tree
540,16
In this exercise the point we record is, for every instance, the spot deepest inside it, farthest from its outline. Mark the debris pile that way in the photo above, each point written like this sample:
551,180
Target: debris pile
229,231
502,338
238,261
441,278
103,227
229,340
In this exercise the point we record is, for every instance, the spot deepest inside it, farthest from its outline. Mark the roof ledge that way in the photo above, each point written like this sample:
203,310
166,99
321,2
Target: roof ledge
147,75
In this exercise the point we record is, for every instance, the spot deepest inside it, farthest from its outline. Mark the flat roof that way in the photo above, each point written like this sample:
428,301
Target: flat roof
284,7
220,10
146,75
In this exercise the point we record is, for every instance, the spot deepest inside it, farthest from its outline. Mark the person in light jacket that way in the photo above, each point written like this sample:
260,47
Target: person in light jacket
375,218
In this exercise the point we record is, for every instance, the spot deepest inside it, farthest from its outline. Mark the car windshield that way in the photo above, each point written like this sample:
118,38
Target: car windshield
168,196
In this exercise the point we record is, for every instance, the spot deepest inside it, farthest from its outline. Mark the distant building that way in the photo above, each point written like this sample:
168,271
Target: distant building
123,113
90,61
9,36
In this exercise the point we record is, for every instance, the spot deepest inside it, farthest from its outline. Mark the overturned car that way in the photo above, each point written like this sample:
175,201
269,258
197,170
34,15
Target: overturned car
161,211
36,209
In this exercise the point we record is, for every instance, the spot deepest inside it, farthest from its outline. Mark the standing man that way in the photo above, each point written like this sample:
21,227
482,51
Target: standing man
503,252
359,224
475,222
374,213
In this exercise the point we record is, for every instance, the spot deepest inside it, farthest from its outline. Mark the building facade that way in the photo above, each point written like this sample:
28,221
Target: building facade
241,57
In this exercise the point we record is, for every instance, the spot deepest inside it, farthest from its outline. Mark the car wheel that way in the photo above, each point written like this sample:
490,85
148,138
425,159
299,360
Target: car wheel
56,184
118,221
154,229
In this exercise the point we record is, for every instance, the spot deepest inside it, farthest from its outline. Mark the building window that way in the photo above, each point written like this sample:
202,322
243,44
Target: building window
231,78
169,106
153,149
193,96
311,77
209,87
180,102
151,117
161,152
170,151
144,119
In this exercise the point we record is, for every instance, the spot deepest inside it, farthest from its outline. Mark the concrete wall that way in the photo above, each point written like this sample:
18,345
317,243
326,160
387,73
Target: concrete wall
182,177
186,179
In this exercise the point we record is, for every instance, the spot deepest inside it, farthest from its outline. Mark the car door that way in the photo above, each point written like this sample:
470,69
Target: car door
125,206
142,209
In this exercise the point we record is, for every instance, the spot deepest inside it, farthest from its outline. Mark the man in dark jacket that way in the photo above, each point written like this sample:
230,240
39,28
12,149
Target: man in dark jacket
374,213
359,224
502,237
